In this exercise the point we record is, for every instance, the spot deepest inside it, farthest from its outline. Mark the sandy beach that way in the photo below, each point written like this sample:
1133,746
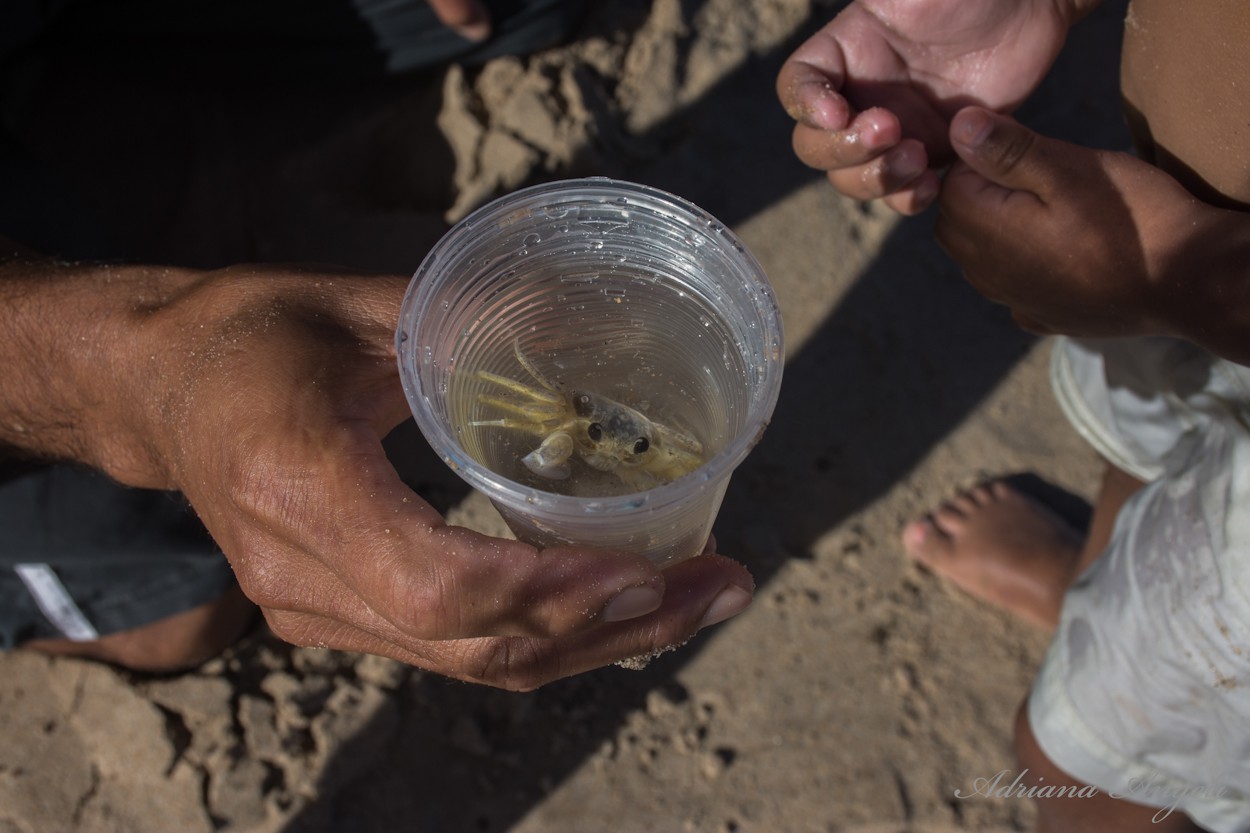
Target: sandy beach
858,694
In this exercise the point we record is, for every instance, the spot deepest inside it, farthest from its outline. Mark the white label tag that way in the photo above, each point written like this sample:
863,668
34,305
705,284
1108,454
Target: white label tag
55,602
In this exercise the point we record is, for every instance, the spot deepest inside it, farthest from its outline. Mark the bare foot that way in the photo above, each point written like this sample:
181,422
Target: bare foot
1001,546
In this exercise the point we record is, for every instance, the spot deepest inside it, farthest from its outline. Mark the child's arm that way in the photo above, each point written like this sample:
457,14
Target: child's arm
1090,242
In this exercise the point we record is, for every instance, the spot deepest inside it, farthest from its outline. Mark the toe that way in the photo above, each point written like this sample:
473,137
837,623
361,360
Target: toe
966,503
924,541
982,494
915,536
951,517
1002,491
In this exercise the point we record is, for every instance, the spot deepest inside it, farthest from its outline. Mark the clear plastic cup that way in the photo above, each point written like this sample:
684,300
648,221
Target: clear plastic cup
596,309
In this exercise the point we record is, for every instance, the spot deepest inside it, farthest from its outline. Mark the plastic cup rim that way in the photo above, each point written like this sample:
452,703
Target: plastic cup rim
553,504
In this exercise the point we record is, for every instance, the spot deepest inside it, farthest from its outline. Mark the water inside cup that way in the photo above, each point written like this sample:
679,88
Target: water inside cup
598,289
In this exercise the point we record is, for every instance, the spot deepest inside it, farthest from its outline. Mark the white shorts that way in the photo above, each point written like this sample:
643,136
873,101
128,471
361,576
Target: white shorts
1145,692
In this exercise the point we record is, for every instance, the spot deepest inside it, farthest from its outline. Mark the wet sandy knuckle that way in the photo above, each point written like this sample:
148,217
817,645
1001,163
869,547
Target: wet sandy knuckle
262,578
860,182
429,605
823,150
260,488
510,663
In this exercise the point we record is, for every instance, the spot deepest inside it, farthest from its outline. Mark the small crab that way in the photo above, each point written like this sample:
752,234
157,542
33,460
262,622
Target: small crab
607,435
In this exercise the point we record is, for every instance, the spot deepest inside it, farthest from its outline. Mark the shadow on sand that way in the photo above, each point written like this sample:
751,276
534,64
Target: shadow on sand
904,358
907,354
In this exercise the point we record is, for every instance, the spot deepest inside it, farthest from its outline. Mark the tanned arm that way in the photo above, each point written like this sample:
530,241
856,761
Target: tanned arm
262,393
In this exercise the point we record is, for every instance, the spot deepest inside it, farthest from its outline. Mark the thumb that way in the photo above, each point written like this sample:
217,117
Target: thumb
1000,149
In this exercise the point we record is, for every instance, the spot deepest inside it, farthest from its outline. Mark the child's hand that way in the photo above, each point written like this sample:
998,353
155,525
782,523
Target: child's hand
874,91
1073,240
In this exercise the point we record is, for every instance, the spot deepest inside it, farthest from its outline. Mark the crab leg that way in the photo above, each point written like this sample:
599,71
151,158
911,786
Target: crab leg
535,428
537,416
530,367
549,396
679,441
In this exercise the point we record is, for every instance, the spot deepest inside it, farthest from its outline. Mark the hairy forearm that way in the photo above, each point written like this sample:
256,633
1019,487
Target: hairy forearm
72,350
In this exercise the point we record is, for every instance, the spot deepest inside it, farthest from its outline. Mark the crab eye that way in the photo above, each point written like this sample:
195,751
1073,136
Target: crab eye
641,445
595,431
582,404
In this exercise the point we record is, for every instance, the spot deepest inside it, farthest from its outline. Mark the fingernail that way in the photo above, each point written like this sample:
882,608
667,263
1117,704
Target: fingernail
631,603
972,127
731,601
904,166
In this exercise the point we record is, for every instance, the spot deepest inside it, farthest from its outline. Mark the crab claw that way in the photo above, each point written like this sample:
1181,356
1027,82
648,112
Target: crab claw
551,458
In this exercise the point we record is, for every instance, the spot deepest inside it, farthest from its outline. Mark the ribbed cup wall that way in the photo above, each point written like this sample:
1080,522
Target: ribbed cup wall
602,286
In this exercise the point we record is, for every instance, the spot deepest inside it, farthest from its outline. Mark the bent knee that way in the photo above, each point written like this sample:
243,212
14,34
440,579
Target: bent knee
1077,807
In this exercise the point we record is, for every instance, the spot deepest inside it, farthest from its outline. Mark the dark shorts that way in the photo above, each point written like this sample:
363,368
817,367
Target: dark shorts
81,556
